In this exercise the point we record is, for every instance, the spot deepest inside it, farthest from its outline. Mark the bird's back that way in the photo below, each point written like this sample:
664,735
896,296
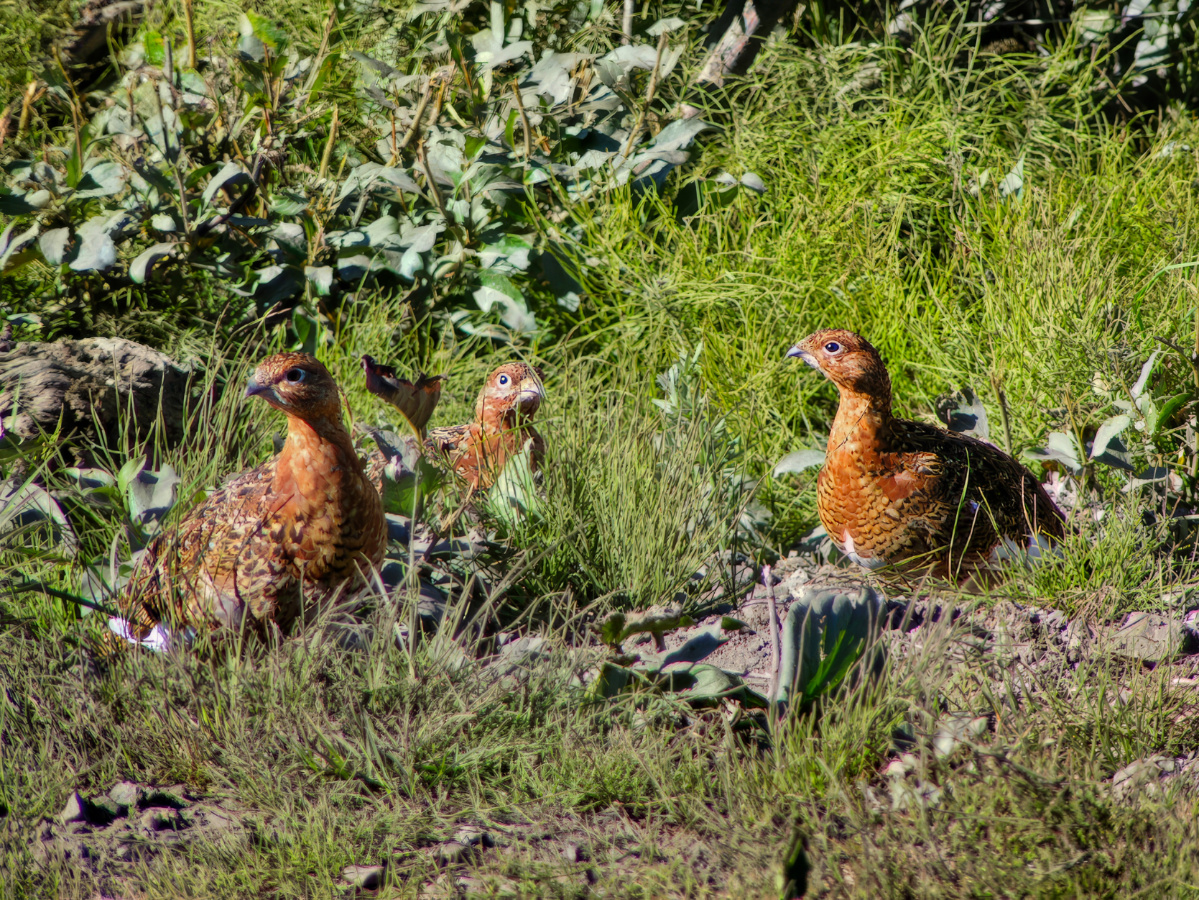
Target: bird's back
926,494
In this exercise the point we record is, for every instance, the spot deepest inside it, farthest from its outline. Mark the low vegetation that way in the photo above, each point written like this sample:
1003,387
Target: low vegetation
1007,226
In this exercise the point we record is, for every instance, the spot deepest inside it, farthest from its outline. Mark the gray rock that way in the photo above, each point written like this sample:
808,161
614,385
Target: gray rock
368,878
73,811
955,728
1150,637
473,837
124,794
90,386
1144,778
452,852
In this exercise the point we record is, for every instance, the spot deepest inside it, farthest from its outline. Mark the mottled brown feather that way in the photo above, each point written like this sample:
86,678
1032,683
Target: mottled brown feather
897,492
275,542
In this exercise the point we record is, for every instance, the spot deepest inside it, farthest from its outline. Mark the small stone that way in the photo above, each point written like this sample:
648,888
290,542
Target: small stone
368,878
73,811
472,837
955,728
159,819
124,794
573,853
1143,777
451,853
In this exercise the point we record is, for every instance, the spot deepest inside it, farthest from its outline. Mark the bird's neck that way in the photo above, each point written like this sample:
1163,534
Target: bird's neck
862,424
496,420
317,460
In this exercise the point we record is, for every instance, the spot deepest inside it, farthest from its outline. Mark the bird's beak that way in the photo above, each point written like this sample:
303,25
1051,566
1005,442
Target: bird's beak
798,352
255,388
531,389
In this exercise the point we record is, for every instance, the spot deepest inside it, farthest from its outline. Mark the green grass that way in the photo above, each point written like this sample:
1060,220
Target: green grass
868,222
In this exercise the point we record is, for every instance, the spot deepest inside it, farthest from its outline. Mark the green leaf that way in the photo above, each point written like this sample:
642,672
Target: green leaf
824,634
139,269
321,278
799,461
513,498
1169,409
497,288
97,249
1106,432
153,48
1061,448
15,203
12,245
231,174
129,471
151,494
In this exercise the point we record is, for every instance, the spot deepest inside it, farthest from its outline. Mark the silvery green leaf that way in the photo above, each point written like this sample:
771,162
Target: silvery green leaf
513,498
288,203
321,278
354,268
1152,475
410,264
276,284
97,250
231,174
1013,181
381,230
38,199
512,250
139,269
1146,371
102,180
152,494
26,505
753,182
420,238
1106,432
798,461
290,238
12,244
91,479
630,56
374,70
1061,448
825,633
679,134
54,245
163,223
671,23
499,289
963,413
344,240
15,203
550,75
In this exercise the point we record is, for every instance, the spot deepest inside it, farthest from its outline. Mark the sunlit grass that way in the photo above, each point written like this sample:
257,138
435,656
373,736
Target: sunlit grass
876,217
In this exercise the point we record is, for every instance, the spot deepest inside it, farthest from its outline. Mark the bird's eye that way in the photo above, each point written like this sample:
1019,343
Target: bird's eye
504,379
832,347
295,376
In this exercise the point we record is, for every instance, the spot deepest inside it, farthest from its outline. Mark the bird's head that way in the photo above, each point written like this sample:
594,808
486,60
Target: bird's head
848,360
514,389
297,384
